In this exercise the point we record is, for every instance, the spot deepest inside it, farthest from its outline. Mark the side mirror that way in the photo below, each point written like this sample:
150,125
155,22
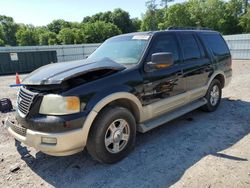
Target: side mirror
160,60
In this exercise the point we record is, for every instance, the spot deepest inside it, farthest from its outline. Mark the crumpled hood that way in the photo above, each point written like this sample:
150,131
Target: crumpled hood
58,72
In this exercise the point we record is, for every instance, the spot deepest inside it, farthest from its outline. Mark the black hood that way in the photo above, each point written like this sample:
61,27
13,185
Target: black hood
59,72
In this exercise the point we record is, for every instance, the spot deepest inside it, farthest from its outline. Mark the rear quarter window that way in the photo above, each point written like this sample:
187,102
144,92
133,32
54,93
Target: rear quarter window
216,43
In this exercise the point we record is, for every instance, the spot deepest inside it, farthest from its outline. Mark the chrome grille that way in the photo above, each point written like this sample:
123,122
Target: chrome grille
24,100
18,129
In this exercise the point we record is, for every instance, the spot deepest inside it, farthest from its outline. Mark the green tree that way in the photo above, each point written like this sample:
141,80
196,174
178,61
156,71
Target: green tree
122,20
152,20
47,38
245,22
118,17
66,36
99,31
165,3
136,24
101,16
71,36
9,30
57,25
178,15
151,4
232,13
79,36
1,36
195,9
216,14
27,35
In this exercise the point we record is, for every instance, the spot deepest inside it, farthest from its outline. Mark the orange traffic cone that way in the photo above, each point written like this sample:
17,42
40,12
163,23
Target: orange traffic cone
17,79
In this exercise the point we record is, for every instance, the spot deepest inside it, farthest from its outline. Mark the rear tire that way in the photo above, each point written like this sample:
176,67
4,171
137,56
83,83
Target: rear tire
112,135
213,96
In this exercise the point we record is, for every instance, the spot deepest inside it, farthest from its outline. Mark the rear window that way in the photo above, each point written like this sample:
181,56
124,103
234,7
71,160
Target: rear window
216,43
190,47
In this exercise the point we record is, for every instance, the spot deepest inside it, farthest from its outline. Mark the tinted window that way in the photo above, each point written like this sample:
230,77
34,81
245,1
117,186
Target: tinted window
215,43
190,47
164,43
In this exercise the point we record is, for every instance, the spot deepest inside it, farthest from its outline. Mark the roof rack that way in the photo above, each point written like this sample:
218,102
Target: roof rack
188,28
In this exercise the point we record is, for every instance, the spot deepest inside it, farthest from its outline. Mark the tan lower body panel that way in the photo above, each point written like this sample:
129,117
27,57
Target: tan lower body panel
166,105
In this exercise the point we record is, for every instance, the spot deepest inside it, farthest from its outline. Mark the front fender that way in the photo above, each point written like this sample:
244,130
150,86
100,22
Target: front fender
100,104
103,97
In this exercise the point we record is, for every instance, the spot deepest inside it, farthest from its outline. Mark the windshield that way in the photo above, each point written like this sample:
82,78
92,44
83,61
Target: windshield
126,50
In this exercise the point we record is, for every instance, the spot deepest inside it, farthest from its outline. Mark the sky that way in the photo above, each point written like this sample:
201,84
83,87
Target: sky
42,12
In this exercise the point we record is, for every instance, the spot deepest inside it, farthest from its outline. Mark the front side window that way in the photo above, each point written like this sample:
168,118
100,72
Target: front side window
190,47
126,50
164,43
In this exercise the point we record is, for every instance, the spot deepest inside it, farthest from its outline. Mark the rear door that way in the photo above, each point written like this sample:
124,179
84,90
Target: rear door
219,51
196,63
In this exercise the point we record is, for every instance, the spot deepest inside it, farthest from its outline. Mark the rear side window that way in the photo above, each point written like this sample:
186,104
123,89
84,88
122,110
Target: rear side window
216,43
164,43
190,47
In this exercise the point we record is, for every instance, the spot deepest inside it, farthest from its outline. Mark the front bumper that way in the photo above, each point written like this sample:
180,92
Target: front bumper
67,143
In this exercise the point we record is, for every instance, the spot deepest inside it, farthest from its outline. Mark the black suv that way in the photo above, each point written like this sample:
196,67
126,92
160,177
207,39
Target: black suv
132,82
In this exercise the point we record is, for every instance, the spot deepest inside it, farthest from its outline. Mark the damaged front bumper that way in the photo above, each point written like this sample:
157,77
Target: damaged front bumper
56,144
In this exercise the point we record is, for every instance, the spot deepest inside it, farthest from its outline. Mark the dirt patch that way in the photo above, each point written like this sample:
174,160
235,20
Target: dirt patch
196,150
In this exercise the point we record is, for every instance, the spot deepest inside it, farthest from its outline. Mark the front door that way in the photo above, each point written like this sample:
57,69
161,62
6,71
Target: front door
162,86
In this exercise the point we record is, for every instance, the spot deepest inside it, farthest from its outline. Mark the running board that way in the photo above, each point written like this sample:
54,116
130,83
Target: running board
156,122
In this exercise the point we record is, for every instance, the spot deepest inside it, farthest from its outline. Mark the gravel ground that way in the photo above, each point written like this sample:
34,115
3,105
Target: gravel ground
196,150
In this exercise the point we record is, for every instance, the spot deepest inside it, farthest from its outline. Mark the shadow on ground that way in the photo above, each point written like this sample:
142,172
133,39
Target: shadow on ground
161,156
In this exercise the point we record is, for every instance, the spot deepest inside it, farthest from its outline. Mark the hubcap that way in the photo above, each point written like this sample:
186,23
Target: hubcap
117,136
214,95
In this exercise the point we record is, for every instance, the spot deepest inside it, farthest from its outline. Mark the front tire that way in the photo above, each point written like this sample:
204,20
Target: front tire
213,96
112,135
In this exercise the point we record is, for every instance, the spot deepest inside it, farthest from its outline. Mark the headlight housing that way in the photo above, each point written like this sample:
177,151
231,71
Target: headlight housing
58,105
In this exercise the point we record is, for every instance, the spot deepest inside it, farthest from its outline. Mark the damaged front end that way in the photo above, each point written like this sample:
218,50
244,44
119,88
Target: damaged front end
49,117
81,71
41,103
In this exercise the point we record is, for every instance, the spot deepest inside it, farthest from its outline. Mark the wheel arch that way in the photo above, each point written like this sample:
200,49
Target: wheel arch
124,99
221,78
219,75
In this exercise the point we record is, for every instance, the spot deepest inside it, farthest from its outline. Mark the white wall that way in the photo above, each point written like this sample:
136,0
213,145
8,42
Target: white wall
239,45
